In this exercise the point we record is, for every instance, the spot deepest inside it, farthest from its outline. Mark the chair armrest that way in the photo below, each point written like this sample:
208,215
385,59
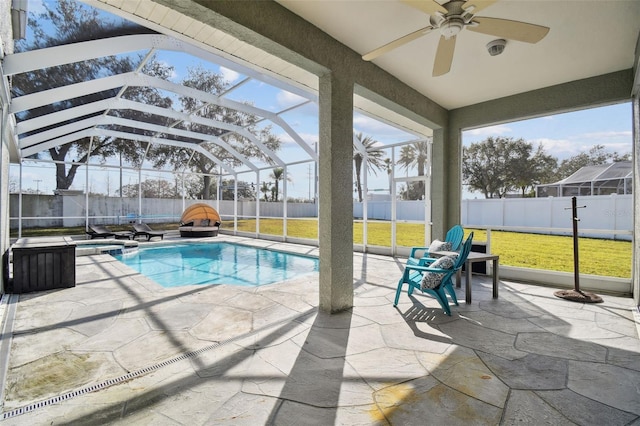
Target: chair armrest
428,269
415,249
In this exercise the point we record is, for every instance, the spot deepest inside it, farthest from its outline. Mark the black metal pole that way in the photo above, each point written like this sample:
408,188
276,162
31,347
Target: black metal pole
576,262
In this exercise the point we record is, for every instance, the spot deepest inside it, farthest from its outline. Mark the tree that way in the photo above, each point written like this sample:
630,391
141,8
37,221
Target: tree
265,190
595,156
497,166
277,175
414,155
211,82
74,22
374,157
529,169
246,190
151,188
389,167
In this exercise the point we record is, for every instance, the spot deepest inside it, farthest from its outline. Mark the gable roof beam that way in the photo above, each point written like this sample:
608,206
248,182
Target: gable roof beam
137,79
205,138
154,139
79,111
83,51
27,144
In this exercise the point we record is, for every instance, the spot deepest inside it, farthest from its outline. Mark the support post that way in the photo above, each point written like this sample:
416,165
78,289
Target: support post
336,205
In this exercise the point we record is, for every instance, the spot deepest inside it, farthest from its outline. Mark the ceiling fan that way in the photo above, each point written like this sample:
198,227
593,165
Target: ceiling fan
452,17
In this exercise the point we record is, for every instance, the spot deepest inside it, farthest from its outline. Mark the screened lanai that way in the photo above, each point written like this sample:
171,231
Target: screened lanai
143,124
477,92
603,179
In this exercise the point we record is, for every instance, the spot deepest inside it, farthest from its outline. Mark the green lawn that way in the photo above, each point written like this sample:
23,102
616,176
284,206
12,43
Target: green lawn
555,253
597,257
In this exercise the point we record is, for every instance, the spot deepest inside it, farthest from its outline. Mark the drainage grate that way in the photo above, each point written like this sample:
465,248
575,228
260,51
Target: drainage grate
117,380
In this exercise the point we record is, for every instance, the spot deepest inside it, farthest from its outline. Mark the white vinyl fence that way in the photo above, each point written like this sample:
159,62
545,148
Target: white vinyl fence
553,214
606,216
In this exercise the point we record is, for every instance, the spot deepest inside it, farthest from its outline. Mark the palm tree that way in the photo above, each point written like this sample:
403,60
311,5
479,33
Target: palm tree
277,175
416,154
407,155
389,167
374,156
265,190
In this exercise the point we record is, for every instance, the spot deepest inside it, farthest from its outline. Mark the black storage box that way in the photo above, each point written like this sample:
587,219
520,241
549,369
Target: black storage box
479,267
43,264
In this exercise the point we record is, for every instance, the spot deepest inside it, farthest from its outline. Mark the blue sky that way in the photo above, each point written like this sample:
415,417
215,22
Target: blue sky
568,134
561,135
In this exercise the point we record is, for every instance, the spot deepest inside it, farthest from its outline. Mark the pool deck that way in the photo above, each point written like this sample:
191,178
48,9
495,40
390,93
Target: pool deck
120,349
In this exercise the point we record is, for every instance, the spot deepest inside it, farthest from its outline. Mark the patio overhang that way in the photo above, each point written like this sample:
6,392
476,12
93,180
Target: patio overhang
297,45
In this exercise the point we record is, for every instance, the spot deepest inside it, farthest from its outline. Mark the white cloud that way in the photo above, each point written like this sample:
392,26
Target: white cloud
309,138
174,76
229,75
287,99
565,148
368,124
626,134
498,130
36,7
377,129
560,148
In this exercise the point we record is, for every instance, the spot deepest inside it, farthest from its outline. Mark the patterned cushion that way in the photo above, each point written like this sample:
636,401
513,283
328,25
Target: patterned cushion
433,279
438,245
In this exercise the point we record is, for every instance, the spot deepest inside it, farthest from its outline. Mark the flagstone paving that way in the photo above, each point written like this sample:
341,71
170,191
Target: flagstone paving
120,349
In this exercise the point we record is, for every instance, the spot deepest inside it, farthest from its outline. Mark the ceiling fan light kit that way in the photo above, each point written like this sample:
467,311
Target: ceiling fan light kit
451,27
451,18
496,47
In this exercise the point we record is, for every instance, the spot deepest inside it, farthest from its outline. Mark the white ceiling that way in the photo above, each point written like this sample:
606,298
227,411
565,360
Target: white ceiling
586,38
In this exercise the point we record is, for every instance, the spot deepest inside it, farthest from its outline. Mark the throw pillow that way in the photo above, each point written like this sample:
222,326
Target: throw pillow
438,245
431,280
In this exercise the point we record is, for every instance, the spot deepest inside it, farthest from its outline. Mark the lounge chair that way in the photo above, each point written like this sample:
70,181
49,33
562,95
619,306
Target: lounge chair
199,220
435,278
101,231
142,229
199,228
452,242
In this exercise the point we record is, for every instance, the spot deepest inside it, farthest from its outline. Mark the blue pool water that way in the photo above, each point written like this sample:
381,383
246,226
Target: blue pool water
216,263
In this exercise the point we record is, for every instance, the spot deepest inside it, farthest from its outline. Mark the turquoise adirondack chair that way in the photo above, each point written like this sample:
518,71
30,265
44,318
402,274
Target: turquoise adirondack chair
428,270
454,236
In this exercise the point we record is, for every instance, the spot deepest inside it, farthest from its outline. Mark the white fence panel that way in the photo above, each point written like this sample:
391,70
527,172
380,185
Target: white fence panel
552,214
381,210
606,212
410,210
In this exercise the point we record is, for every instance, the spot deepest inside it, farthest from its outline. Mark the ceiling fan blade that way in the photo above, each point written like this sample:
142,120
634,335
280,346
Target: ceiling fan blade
429,7
396,43
512,30
444,56
478,5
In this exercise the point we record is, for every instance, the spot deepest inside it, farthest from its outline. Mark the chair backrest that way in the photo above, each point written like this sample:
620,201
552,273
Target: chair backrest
454,236
99,229
464,252
141,227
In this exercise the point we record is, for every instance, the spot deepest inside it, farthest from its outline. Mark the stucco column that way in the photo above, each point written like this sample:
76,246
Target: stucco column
336,202
446,190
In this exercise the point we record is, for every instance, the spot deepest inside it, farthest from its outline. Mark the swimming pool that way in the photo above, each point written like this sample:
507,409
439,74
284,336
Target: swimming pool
216,263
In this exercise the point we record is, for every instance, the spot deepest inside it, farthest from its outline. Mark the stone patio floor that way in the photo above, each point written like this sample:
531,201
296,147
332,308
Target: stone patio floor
120,349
